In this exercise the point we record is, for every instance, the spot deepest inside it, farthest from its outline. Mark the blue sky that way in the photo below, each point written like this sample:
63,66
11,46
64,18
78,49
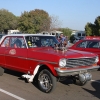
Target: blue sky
73,14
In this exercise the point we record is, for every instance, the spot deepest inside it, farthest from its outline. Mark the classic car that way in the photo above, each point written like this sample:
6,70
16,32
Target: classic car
42,58
89,44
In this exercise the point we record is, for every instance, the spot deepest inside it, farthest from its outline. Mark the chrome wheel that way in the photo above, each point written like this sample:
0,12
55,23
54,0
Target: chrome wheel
46,81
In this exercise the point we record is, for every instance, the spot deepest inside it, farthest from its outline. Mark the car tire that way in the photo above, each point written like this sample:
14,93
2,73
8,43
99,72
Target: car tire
46,81
1,71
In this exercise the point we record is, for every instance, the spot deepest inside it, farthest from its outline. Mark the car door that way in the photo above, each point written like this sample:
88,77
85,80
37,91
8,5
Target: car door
16,54
81,45
3,47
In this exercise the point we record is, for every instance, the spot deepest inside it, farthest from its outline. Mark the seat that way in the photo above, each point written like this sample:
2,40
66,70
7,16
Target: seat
17,44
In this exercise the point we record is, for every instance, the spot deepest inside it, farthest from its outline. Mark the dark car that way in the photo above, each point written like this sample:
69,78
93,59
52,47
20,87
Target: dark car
1,35
74,39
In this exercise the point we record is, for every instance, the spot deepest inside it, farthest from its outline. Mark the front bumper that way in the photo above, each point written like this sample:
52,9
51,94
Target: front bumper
73,72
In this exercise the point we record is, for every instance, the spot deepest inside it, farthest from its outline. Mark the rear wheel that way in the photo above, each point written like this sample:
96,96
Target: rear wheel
46,81
1,71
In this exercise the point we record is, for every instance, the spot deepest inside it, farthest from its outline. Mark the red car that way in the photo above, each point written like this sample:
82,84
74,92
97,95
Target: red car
40,57
89,44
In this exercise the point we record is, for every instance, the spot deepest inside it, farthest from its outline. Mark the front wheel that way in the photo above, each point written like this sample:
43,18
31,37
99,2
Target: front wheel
46,81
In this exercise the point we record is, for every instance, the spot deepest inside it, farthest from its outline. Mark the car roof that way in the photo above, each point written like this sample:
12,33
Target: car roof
28,35
23,35
92,39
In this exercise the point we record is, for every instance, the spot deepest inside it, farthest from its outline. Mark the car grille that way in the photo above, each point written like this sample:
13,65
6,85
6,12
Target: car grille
80,62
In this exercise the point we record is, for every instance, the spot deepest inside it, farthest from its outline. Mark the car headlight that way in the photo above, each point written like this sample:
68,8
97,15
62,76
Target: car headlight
97,59
62,62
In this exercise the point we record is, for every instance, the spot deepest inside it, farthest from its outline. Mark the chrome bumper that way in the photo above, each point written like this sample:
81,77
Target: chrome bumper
67,72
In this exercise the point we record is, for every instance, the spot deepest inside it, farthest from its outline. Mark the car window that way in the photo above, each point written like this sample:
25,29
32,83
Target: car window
93,44
83,34
79,34
40,41
33,41
47,42
82,44
5,43
17,42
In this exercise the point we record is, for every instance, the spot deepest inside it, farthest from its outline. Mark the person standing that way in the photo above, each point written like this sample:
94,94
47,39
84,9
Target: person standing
61,38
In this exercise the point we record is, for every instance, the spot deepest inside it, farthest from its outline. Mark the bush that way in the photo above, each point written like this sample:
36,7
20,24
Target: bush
72,38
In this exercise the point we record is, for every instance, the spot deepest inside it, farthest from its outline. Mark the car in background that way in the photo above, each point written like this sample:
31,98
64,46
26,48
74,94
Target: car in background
43,59
1,35
89,44
74,38
77,39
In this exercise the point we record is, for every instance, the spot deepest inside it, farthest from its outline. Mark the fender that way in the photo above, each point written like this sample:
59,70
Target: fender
31,77
50,66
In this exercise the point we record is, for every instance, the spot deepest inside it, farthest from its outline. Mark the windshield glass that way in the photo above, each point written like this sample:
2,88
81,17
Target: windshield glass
41,41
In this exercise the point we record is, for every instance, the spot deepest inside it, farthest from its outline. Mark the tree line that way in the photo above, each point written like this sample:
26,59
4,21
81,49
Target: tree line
93,29
29,22
34,21
37,20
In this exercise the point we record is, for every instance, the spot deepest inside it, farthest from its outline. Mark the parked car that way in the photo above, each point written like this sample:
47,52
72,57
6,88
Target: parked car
74,38
90,44
42,58
1,35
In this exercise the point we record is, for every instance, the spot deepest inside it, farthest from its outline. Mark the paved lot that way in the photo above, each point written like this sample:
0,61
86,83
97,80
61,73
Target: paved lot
12,87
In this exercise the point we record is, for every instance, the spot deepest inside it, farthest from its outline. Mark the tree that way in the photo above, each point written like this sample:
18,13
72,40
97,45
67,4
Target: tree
34,21
25,24
88,29
93,29
55,22
97,25
66,31
7,20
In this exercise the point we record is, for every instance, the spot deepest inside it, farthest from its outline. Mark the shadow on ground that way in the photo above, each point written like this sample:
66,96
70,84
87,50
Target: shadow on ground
96,86
15,73
19,74
67,82
11,72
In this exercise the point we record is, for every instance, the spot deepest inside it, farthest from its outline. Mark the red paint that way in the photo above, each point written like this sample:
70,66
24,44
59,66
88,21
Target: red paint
26,59
88,49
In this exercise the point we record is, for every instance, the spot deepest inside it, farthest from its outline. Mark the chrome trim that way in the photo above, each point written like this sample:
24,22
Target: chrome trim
63,71
74,71
72,63
25,42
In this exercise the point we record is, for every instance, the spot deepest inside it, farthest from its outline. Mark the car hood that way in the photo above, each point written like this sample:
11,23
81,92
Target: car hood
69,53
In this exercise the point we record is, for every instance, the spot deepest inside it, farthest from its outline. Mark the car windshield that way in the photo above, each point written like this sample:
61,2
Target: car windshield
41,41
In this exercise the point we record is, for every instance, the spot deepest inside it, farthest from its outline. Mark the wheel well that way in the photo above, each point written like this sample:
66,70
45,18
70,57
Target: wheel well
42,67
